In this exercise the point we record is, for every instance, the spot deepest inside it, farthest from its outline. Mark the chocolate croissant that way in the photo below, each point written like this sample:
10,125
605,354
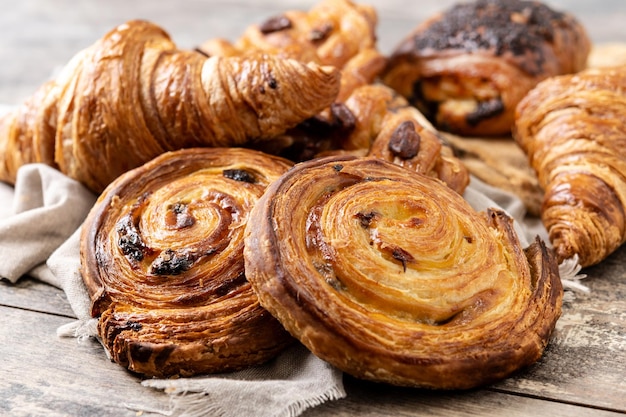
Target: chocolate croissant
391,276
467,67
162,260
573,129
339,33
134,95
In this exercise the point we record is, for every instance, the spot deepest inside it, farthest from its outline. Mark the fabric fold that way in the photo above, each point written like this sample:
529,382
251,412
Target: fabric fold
47,208
40,236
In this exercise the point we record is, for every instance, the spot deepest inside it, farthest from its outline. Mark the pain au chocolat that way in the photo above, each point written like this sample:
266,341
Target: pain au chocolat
162,260
467,67
391,276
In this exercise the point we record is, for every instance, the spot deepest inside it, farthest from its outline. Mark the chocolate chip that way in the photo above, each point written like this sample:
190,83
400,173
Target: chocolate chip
239,175
321,33
405,141
403,256
178,216
275,24
170,262
343,116
485,110
366,218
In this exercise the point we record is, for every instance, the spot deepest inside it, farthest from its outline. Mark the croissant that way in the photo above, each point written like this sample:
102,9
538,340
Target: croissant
162,260
134,95
573,129
391,276
467,67
339,33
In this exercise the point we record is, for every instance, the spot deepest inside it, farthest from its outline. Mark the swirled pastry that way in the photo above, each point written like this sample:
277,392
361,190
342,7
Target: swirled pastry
467,68
573,130
134,94
162,259
391,276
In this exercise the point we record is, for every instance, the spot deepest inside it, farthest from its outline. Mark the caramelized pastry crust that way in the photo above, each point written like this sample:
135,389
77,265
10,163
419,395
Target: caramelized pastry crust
340,33
162,259
467,67
134,95
374,120
573,129
391,276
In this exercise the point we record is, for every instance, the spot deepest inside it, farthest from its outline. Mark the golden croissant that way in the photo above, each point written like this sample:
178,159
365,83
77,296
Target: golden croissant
391,276
133,95
573,129
162,260
467,67
339,33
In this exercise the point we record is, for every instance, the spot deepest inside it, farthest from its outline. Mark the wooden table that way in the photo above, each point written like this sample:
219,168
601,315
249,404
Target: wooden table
583,371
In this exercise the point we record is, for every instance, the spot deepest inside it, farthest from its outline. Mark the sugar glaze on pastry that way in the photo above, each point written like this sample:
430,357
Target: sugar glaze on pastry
391,276
467,67
162,260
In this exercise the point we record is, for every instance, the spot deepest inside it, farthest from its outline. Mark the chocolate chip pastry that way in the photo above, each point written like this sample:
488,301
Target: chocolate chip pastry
162,260
467,67
391,276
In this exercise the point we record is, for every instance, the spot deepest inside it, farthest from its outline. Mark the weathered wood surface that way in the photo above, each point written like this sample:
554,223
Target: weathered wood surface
582,373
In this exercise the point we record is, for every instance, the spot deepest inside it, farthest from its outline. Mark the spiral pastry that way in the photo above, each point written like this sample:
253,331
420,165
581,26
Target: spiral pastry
391,276
162,259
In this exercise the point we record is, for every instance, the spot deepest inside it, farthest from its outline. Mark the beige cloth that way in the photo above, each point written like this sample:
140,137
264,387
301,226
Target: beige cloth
41,236
41,233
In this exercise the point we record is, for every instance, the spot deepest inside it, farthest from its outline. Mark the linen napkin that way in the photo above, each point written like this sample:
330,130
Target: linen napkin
41,233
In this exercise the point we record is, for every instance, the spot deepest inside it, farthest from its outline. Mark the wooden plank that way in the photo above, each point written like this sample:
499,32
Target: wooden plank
30,294
375,400
586,360
42,375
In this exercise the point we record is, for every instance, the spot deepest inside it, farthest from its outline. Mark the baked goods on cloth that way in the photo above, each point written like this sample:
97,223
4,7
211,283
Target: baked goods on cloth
385,125
573,129
162,260
391,276
133,95
467,67
501,163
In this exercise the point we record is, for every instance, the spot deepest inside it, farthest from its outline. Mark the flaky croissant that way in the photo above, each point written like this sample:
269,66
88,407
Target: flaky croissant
375,121
340,33
573,129
162,260
467,67
391,276
134,95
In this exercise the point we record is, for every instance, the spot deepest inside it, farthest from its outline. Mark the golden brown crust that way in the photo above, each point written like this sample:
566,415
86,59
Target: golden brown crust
501,163
573,129
162,260
134,95
467,67
339,33
399,133
391,276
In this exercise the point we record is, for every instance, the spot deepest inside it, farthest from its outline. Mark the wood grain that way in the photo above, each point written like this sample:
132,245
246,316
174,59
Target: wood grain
582,373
